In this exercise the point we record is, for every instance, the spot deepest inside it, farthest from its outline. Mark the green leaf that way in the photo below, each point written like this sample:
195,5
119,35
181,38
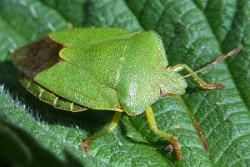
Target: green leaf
194,32
25,147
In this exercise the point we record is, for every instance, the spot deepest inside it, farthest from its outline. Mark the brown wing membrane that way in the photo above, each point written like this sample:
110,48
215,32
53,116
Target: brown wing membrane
37,56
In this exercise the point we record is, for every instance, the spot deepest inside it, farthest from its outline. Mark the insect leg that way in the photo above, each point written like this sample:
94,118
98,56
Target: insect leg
202,83
111,128
153,127
195,123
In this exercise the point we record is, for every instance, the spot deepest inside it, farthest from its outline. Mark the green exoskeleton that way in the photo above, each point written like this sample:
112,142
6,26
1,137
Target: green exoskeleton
105,69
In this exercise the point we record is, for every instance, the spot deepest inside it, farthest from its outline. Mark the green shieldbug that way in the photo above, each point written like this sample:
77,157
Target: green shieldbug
105,69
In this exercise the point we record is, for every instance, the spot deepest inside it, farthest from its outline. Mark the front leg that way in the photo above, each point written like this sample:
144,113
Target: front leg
169,137
202,83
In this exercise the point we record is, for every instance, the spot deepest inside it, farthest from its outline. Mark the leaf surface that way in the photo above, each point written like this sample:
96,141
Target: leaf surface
194,32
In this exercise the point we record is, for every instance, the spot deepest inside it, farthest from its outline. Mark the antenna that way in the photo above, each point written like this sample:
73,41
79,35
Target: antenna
220,59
